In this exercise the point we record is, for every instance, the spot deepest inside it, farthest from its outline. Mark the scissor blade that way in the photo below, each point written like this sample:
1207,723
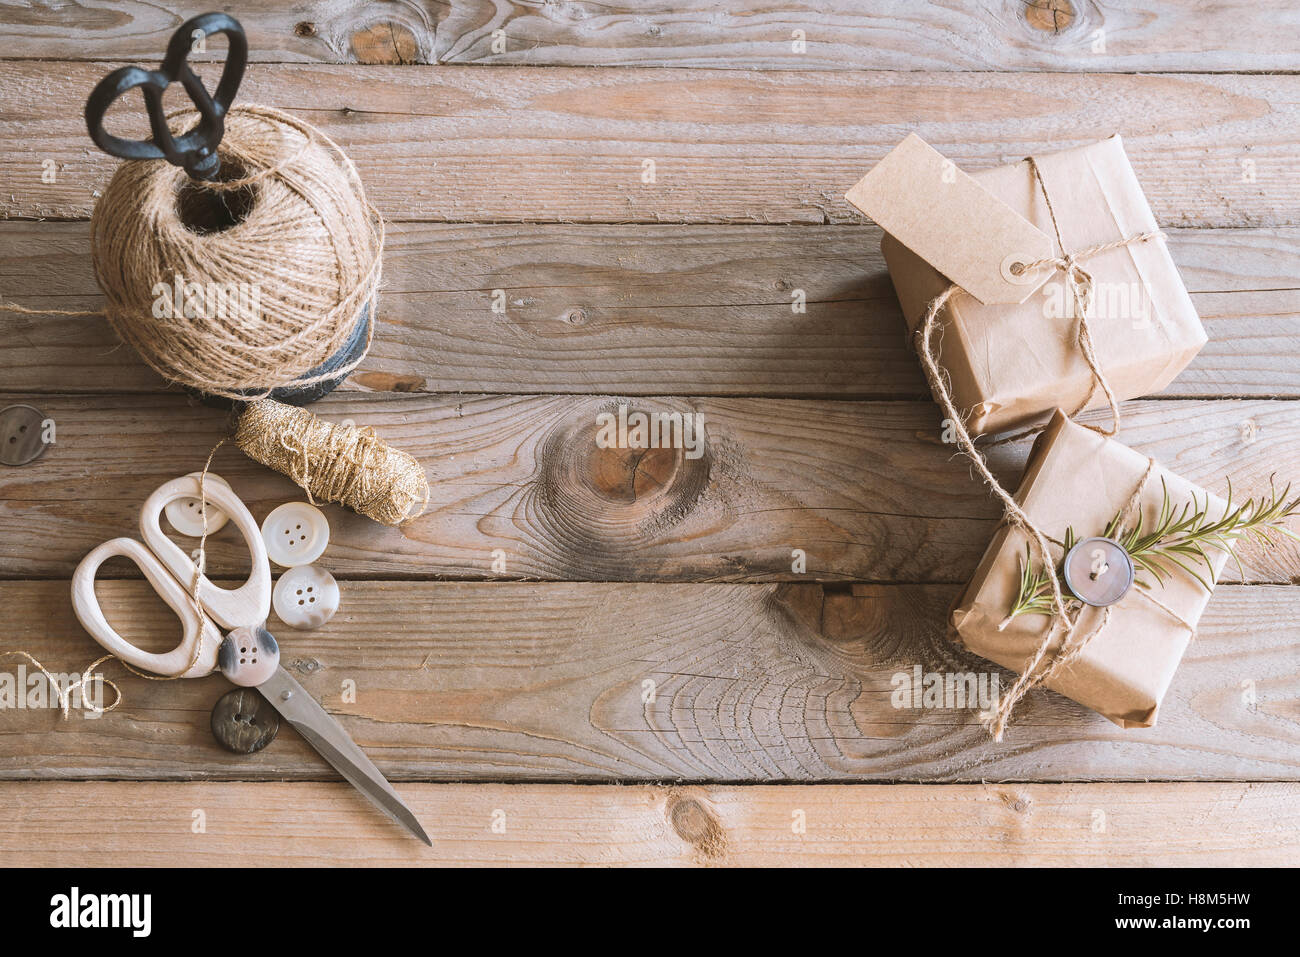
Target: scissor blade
328,737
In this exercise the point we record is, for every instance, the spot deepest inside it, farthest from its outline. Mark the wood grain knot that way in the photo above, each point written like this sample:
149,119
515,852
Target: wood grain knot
1020,803
389,381
603,503
1050,16
696,824
385,43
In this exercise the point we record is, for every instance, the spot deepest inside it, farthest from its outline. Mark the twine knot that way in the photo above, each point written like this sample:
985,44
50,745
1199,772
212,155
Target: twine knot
1065,610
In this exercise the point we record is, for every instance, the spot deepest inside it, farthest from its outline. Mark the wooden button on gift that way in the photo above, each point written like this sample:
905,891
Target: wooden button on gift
243,721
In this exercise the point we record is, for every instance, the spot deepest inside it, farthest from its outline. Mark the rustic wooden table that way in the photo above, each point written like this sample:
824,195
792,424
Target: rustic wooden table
590,656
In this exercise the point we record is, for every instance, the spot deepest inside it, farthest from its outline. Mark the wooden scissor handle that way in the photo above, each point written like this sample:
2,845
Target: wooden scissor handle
247,605
194,657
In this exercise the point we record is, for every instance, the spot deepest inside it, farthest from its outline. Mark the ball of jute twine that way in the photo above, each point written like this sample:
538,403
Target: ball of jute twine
335,463
309,242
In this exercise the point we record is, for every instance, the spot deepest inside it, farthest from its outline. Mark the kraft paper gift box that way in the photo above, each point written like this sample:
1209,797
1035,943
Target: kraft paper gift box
1009,348
1078,478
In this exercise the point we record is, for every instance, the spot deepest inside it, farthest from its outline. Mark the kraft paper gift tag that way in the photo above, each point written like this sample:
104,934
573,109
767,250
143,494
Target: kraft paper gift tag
1078,478
1009,347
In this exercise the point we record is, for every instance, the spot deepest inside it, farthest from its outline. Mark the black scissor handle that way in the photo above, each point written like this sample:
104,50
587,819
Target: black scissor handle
196,151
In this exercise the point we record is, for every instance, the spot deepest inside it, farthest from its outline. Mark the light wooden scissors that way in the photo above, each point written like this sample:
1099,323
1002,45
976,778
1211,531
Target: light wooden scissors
248,655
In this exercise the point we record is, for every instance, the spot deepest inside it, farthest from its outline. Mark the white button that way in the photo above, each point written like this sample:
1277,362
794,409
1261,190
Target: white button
186,516
296,533
1098,571
306,597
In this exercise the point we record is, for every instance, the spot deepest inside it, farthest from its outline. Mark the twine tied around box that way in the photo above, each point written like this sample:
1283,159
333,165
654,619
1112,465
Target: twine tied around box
1039,668
1080,283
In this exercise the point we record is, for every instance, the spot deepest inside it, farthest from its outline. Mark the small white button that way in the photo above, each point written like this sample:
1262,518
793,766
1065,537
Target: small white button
306,597
296,533
186,516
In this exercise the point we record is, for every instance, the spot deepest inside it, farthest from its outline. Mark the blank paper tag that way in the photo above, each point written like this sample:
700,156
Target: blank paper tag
952,222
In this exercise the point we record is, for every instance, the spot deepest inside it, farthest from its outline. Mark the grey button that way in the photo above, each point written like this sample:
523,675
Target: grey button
20,434
1098,571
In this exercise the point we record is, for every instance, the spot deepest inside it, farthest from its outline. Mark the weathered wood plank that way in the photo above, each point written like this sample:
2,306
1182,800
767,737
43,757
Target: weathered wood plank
881,35
300,825
635,682
329,31
698,310
519,144
867,490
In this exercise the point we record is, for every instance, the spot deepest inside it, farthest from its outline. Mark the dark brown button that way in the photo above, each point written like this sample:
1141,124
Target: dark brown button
21,434
243,721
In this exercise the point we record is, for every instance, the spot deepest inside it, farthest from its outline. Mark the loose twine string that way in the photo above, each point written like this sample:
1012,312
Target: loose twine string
64,695
1063,618
308,219
332,463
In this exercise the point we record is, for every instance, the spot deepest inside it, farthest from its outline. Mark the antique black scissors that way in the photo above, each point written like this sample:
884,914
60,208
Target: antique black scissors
196,150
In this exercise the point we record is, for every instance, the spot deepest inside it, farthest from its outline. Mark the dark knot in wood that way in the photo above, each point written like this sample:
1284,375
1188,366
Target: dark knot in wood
697,825
601,504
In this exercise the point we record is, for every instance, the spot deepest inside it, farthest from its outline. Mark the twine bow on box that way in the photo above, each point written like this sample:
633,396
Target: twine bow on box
1042,667
1082,287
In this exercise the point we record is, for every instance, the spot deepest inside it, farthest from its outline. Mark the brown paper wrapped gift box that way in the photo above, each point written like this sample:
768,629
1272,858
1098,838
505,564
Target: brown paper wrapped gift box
1079,478
1011,365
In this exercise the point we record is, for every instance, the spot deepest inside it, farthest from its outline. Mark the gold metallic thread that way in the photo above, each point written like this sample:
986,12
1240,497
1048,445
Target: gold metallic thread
335,463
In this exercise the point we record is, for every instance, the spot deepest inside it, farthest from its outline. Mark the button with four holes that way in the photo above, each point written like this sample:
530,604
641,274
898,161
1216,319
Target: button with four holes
306,597
296,533
22,436
186,516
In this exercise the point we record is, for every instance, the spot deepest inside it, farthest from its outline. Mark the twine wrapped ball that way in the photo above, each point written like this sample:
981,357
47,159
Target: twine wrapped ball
237,287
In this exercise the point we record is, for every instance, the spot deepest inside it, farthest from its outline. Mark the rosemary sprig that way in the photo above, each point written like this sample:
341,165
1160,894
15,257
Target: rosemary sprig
1034,596
1179,538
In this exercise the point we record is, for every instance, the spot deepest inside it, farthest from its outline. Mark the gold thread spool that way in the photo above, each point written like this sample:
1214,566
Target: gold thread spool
335,463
